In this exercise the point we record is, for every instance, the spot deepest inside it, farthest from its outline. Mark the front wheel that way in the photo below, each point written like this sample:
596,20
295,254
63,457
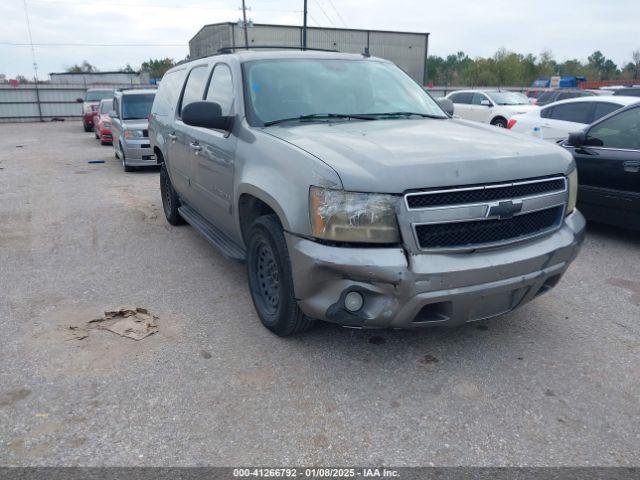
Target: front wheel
270,278
125,167
499,122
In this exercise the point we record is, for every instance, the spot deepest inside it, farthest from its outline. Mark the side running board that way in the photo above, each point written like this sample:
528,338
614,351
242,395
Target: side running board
227,247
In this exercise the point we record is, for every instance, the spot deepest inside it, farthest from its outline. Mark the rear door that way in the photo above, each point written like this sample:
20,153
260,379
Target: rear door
462,104
609,168
180,148
212,155
565,118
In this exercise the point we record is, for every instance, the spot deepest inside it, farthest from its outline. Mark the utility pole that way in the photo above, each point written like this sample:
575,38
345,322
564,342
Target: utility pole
33,57
244,24
304,26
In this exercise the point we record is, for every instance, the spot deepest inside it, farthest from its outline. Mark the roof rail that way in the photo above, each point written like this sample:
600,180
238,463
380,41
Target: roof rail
279,47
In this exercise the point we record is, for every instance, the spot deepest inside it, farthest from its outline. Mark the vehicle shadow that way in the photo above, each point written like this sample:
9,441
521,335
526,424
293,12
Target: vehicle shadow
606,232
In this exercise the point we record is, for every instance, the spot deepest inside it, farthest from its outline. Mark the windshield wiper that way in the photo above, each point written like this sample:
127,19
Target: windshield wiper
319,116
406,114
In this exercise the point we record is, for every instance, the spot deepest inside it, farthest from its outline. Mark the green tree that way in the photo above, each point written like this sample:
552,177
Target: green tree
84,67
157,67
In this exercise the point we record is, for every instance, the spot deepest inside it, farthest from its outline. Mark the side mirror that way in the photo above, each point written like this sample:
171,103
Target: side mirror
79,100
206,115
446,105
577,139
485,103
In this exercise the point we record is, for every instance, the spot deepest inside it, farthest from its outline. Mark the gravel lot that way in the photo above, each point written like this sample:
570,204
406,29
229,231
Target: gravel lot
555,383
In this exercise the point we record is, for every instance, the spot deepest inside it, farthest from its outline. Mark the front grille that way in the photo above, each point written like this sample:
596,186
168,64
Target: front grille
482,232
486,193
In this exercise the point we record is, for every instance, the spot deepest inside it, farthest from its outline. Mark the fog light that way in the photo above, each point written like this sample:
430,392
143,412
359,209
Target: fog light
353,301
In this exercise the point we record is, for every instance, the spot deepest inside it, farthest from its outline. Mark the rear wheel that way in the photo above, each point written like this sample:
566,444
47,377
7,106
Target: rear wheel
170,199
270,278
87,127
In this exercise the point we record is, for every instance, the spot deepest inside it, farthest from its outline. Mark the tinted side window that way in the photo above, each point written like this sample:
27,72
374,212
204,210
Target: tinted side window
168,92
546,112
194,89
221,88
546,97
619,131
462,97
603,108
572,112
477,99
628,92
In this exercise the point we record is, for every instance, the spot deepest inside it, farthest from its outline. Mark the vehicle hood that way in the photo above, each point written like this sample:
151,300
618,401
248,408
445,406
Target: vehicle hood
136,124
391,156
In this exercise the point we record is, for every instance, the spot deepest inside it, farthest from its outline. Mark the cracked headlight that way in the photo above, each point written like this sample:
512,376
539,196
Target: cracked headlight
133,134
573,190
353,217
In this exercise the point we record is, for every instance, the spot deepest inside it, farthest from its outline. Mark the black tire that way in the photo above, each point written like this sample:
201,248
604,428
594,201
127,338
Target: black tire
270,278
499,122
170,199
87,127
125,167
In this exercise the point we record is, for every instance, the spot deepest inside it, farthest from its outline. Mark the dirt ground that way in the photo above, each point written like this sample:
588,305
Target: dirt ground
555,383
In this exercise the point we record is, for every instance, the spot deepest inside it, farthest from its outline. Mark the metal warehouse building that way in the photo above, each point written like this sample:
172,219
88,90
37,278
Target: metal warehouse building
100,78
408,50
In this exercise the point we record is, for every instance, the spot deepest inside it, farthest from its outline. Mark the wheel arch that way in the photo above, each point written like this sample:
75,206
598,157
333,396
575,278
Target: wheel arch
253,203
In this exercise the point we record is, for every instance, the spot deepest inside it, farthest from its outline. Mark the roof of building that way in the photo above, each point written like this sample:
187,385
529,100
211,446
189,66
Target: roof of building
308,28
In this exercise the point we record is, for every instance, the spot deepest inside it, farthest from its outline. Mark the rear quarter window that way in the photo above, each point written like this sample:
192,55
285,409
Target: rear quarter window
168,93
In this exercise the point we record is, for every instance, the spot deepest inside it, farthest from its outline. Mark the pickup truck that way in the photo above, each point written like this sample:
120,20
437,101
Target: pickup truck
354,197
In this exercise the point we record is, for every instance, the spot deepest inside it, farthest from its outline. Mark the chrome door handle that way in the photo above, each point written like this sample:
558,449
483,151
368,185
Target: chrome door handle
631,166
195,147
172,137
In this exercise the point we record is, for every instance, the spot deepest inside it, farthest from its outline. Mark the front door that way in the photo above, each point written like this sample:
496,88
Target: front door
609,169
212,155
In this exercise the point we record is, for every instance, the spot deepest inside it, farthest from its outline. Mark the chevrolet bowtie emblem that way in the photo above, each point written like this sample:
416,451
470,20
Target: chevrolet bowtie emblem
504,210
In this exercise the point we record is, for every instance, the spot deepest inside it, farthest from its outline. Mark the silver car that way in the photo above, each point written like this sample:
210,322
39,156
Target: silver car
131,109
354,197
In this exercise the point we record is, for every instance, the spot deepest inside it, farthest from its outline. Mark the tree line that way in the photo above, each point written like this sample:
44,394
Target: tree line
515,69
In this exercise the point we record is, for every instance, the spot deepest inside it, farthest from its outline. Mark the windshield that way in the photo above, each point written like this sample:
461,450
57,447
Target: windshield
508,98
106,106
290,88
97,95
137,106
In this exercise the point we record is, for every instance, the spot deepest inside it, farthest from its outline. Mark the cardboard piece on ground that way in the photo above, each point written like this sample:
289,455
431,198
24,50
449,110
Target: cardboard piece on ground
136,323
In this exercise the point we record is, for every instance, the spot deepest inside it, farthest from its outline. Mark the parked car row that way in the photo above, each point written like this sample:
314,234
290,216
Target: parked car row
121,118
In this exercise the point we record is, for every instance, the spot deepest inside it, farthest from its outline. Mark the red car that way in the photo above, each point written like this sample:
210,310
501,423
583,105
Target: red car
102,122
90,105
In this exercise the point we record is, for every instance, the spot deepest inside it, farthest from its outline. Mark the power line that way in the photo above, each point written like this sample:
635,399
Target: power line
325,13
14,44
154,6
338,13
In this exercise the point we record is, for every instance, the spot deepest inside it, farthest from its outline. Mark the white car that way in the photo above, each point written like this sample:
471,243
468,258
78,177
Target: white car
554,122
489,106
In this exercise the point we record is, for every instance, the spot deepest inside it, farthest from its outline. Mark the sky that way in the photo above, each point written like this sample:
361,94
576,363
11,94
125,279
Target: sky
68,31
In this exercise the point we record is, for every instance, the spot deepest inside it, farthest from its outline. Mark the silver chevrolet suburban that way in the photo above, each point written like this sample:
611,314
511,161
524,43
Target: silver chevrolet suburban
354,197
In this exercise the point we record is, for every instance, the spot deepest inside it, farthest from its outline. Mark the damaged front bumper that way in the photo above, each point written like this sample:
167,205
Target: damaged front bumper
404,291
